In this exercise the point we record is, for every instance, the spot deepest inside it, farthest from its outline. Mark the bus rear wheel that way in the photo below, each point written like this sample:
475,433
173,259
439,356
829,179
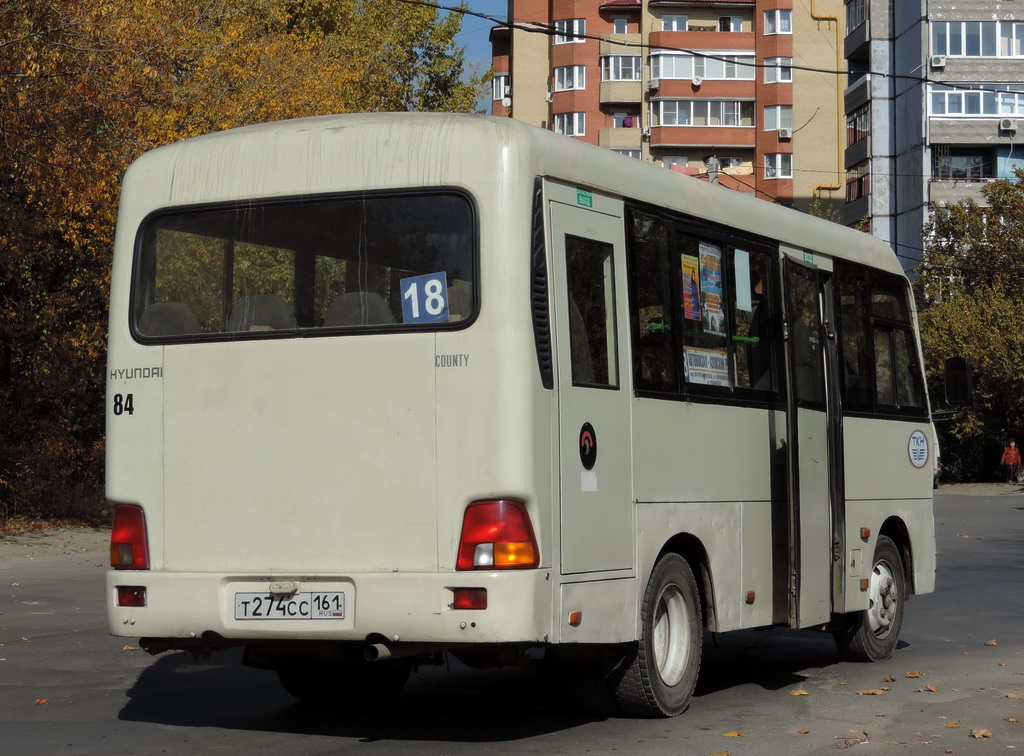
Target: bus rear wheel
661,671
872,634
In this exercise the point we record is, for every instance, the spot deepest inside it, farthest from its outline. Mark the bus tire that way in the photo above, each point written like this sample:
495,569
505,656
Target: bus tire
353,686
872,634
659,675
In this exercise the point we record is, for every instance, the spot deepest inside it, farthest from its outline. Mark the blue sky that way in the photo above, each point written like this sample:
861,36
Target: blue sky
475,30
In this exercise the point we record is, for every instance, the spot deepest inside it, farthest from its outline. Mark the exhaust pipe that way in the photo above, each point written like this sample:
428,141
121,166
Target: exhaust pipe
381,651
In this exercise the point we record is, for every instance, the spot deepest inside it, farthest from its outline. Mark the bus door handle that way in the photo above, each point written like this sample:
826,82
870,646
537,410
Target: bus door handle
830,330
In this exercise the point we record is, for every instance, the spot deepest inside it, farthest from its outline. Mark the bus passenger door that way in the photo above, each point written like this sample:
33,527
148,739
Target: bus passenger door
811,447
588,300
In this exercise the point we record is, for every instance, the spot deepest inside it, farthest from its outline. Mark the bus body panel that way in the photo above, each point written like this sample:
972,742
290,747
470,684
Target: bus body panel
345,462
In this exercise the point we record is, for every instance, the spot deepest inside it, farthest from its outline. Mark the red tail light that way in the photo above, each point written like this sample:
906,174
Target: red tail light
129,548
497,535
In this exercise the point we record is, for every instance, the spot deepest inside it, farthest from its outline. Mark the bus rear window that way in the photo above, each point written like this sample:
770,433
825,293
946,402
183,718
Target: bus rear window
306,266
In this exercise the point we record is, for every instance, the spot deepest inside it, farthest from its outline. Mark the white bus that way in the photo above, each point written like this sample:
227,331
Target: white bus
386,387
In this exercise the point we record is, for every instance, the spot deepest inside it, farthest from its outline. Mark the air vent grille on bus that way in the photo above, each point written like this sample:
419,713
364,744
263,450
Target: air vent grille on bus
539,290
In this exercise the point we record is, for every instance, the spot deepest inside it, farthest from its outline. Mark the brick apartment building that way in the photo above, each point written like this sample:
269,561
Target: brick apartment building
683,83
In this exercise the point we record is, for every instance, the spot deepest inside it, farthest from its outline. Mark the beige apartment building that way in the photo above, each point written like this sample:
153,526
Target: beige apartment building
717,89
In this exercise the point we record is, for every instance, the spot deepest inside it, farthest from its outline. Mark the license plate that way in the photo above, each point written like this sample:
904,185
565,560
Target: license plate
263,606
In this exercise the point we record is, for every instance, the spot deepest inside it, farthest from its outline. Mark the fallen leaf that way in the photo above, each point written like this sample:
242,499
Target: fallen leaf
886,688
15,585
991,643
734,734
1002,664
889,678
25,640
41,702
799,693
130,648
803,731
931,688
981,732
967,653
1008,719
875,692
1014,696
720,753
913,674
879,715
949,750
953,724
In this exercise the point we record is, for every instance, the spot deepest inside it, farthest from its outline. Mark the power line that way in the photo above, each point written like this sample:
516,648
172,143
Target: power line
537,27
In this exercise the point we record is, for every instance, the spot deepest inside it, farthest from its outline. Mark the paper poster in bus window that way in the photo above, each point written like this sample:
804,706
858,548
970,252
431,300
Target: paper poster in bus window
711,288
691,289
706,366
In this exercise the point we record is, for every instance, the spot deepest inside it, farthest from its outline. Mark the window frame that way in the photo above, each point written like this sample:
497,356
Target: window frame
778,165
576,120
778,21
578,74
570,31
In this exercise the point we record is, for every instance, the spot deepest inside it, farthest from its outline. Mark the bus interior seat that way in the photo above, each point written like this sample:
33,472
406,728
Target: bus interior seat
261,312
168,319
359,308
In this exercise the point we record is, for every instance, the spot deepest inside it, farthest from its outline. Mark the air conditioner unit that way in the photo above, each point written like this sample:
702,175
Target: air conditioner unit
697,80
1007,124
548,97
938,61
653,83
785,133
645,131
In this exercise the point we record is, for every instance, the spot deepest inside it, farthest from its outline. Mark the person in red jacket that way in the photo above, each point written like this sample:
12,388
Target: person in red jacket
1011,459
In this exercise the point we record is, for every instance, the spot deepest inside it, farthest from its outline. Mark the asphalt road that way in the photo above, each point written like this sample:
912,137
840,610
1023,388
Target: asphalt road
66,686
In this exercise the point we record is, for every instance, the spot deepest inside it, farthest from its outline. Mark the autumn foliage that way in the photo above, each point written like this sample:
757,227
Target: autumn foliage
86,86
972,287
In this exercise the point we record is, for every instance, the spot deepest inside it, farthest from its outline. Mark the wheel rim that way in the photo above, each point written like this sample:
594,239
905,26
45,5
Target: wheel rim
671,635
884,598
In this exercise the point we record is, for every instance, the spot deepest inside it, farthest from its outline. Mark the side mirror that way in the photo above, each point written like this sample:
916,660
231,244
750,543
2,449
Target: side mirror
959,382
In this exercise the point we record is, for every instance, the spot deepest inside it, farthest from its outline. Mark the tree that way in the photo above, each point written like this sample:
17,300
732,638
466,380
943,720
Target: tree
86,86
972,290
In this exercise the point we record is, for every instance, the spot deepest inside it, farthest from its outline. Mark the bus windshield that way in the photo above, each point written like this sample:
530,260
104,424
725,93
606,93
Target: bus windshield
305,266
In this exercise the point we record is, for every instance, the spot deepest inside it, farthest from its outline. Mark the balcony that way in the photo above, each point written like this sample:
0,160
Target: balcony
703,136
621,44
951,191
619,139
621,91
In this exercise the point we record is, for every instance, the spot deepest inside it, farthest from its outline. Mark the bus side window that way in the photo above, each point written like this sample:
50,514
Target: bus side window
655,366
591,312
753,322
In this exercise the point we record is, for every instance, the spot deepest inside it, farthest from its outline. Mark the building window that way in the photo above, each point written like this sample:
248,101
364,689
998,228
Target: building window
624,120
778,70
620,25
674,23
971,39
635,154
670,160
778,165
570,30
778,22
620,68
730,23
996,100
570,124
722,66
964,163
856,14
778,117
858,182
570,77
1011,39
500,86
704,112
858,125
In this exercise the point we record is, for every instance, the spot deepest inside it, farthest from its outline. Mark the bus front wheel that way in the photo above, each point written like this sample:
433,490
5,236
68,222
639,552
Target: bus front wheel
660,674
872,634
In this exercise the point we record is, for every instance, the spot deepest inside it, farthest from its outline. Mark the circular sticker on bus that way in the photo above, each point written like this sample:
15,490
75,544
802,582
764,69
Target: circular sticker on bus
588,446
917,448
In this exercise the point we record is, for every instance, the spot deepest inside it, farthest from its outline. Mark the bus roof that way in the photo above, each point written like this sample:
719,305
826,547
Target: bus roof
399,150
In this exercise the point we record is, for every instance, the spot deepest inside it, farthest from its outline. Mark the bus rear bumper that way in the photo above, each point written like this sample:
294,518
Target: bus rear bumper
406,608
